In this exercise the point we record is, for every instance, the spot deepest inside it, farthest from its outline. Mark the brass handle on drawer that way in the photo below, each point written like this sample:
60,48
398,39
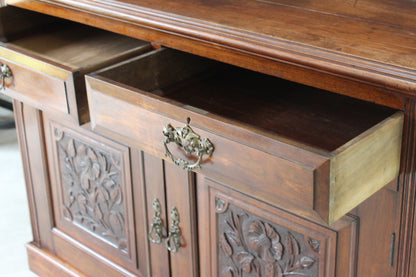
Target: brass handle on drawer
190,142
5,72
173,241
157,223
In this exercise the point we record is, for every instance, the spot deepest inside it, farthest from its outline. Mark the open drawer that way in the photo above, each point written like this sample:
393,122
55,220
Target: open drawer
45,67
302,149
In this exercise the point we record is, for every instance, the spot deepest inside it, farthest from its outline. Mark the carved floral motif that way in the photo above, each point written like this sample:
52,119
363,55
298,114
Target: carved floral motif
251,246
91,188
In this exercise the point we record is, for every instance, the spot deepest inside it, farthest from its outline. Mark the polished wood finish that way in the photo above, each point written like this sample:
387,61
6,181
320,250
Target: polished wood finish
92,192
31,139
379,237
48,66
238,233
362,49
45,263
224,95
367,52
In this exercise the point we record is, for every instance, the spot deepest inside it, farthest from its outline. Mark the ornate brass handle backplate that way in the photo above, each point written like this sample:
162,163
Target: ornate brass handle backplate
156,229
5,72
190,142
173,241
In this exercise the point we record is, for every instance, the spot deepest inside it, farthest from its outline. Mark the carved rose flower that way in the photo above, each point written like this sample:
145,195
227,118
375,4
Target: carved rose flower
265,242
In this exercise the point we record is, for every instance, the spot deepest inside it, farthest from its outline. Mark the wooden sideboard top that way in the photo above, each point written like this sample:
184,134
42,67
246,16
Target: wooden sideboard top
363,48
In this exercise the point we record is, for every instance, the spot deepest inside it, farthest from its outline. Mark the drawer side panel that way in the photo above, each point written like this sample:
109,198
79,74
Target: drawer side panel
365,165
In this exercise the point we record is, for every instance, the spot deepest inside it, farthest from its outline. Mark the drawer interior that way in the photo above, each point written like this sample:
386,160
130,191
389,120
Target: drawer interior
306,115
74,45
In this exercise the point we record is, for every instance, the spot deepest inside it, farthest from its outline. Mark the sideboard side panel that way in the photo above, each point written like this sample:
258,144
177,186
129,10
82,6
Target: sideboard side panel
31,140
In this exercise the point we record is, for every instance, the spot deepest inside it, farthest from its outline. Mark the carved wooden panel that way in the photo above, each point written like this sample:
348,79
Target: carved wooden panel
91,188
240,236
252,246
92,191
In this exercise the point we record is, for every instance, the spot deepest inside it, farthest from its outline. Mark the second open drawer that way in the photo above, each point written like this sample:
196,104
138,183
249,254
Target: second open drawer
299,148
45,67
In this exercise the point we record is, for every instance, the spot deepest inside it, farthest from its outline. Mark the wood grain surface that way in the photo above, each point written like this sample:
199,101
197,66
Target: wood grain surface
348,47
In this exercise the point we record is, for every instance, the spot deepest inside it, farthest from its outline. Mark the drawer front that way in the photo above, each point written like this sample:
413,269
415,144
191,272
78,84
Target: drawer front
241,236
34,82
266,176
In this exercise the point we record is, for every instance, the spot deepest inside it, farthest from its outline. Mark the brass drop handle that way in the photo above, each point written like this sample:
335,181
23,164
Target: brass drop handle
190,142
173,241
156,230
5,72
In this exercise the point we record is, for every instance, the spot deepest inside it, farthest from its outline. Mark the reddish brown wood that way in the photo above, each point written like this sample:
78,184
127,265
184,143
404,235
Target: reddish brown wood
140,212
45,264
240,234
36,88
86,260
407,189
180,193
232,107
378,234
153,179
366,52
50,76
21,136
92,191
364,49
38,172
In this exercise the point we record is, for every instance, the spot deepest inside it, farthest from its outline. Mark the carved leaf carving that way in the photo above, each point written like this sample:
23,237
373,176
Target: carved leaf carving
71,148
306,262
85,182
292,246
92,189
228,272
225,246
276,245
98,212
232,238
251,246
315,245
116,196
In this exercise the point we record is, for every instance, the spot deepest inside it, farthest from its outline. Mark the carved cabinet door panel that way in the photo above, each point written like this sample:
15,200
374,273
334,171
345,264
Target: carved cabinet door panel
93,202
241,236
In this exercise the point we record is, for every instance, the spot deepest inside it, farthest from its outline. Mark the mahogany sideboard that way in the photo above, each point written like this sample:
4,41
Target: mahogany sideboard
215,138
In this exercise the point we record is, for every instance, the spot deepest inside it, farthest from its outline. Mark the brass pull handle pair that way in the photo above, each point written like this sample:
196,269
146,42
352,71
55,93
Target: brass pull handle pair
156,233
5,72
189,141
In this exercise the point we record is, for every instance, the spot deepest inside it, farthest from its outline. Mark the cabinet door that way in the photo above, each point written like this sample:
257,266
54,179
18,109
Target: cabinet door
241,236
173,188
93,202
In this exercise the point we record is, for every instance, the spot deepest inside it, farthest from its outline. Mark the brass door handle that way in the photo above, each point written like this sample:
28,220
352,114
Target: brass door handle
156,229
173,241
190,142
5,72
156,233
